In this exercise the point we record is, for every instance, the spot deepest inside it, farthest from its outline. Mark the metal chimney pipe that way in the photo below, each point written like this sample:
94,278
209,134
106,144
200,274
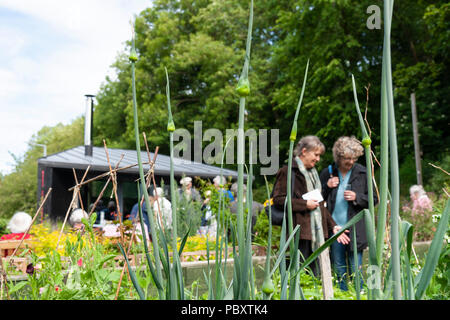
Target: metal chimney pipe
88,148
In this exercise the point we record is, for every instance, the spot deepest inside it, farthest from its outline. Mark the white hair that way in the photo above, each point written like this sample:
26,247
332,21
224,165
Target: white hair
185,181
158,191
20,222
417,188
218,180
77,215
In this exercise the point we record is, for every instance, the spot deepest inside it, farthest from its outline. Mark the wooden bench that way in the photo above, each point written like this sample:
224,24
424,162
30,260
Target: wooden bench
7,247
20,264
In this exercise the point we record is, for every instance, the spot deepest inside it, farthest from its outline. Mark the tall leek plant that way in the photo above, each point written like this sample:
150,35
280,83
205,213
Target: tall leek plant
398,278
243,261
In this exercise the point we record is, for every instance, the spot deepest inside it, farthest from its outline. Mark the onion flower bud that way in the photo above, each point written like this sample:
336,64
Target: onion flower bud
243,87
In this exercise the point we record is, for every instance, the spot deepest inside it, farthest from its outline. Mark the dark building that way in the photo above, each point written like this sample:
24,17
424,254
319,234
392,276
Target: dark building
56,172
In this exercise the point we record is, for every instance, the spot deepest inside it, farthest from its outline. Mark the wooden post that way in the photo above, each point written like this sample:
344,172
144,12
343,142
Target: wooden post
325,271
324,261
416,139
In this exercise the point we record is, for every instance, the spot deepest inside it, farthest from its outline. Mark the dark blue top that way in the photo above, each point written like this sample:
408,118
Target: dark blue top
135,212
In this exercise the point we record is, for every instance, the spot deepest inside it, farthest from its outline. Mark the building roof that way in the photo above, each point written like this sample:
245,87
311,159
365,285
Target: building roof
76,158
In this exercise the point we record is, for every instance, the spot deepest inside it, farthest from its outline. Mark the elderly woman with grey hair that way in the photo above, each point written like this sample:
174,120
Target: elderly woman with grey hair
344,187
310,214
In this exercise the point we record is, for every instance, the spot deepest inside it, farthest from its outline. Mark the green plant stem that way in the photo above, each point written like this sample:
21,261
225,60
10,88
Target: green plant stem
395,184
142,180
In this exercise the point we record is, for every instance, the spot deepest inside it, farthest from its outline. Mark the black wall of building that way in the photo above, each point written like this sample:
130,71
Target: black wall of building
61,180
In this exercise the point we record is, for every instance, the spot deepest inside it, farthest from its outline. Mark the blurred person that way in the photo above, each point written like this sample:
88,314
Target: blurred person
219,184
111,212
18,225
75,218
187,190
420,200
163,206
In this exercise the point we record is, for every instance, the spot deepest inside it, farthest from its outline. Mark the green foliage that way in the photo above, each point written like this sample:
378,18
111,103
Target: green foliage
262,230
439,288
189,216
437,179
18,189
3,225
86,272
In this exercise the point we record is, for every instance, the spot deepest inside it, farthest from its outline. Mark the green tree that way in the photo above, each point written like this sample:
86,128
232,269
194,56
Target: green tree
18,189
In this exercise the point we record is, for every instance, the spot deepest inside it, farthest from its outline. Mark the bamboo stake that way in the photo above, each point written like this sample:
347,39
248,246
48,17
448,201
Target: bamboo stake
103,190
70,206
152,176
105,174
3,280
32,221
125,265
114,181
134,228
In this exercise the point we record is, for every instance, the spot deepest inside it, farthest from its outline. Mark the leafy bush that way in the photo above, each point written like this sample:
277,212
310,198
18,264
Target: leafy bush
3,224
262,230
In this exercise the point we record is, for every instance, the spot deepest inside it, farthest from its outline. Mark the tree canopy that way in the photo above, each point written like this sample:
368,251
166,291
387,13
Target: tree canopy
202,45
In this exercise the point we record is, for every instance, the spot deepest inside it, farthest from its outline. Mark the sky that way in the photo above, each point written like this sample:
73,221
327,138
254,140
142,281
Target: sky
53,53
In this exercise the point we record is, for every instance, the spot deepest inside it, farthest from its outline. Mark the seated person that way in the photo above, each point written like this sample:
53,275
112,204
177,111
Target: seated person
134,214
75,219
219,183
111,212
18,225
101,211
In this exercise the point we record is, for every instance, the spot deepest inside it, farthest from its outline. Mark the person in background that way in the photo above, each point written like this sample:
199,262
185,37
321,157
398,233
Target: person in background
344,187
111,212
134,214
219,183
420,200
256,206
306,154
186,190
101,211
75,219
18,225
163,206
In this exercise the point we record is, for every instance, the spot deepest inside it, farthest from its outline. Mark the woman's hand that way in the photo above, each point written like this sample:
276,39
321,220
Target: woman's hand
333,182
349,195
343,238
312,204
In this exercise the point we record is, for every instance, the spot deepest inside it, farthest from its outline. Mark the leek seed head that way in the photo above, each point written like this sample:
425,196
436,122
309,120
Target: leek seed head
133,56
268,286
171,126
243,87
366,142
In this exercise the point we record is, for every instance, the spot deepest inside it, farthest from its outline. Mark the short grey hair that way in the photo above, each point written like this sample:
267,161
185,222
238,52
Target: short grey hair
417,188
220,180
310,143
234,188
347,146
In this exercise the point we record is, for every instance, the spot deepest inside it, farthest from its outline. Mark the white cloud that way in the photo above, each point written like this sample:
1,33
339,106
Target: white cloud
53,54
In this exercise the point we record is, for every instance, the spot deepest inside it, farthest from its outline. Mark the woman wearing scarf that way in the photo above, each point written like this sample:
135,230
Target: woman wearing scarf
344,187
316,223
